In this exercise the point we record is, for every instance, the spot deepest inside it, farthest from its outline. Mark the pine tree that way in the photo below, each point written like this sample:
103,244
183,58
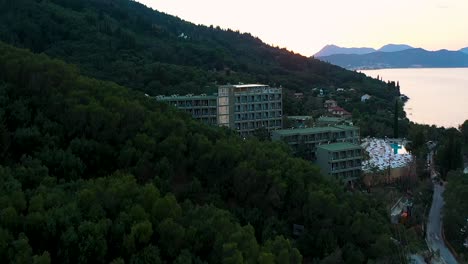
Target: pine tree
395,124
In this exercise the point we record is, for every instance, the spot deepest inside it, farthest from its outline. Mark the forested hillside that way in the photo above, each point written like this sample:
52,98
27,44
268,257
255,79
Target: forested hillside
126,42
456,212
94,172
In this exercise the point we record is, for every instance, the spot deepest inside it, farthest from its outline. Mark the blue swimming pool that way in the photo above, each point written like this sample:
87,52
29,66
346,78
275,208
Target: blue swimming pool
398,148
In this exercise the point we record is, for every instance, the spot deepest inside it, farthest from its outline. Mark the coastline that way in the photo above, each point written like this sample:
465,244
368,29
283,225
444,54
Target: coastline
436,95
404,68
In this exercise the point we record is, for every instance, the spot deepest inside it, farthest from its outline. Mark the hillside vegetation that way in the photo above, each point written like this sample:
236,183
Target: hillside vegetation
93,172
125,42
128,43
456,212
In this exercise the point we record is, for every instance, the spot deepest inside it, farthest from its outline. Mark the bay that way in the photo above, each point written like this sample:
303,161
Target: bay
438,96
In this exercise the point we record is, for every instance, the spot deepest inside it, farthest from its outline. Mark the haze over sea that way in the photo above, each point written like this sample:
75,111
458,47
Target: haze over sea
438,96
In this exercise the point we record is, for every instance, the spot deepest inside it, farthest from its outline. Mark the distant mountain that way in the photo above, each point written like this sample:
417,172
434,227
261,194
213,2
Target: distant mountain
395,47
410,58
464,50
333,49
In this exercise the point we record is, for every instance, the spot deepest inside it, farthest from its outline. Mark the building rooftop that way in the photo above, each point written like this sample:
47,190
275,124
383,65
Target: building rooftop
346,127
309,130
337,108
312,130
300,117
246,85
330,119
186,97
339,146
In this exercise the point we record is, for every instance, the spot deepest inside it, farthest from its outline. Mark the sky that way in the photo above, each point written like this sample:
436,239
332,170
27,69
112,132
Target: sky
305,26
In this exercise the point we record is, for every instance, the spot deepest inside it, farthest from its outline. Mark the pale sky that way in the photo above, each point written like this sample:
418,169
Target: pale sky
305,26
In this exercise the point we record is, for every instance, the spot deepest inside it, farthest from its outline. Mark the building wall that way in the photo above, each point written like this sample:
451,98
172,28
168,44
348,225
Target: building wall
244,108
330,103
224,107
326,121
203,108
390,175
307,140
247,108
343,164
299,121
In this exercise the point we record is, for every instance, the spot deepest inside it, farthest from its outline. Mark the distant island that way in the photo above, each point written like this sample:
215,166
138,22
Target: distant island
392,56
333,49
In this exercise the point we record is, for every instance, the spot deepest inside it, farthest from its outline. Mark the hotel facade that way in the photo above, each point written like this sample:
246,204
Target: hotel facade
244,108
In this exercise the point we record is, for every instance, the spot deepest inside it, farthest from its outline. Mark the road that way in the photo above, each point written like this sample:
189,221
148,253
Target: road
434,226
416,259
434,223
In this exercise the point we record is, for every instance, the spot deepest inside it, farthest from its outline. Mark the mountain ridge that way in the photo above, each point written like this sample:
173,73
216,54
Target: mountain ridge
334,49
410,58
331,49
394,47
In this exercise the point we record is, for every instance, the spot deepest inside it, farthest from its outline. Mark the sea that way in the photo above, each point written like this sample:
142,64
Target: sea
438,96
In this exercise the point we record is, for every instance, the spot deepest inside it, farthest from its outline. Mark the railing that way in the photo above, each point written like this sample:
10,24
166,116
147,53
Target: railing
342,169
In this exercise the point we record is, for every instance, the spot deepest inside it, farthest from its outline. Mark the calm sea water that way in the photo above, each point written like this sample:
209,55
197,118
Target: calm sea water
438,96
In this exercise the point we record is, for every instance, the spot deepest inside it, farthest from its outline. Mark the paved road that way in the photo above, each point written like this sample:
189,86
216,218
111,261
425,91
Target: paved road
416,259
434,226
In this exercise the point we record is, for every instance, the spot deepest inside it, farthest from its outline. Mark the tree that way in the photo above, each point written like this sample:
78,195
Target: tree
262,134
149,254
42,259
172,236
455,211
21,250
395,120
4,139
231,255
464,130
449,157
184,257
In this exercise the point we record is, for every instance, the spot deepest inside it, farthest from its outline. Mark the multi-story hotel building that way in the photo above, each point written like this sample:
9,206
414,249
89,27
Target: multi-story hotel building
249,107
307,140
244,108
341,160
202,107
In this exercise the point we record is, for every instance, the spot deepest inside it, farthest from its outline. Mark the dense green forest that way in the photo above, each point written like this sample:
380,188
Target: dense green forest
456,212
125,42
133,45
94,172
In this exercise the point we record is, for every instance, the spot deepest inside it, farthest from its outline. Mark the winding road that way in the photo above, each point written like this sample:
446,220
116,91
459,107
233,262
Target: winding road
434,226
434,238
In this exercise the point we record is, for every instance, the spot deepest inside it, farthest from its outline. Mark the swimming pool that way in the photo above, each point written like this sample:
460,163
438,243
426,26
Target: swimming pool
398,148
